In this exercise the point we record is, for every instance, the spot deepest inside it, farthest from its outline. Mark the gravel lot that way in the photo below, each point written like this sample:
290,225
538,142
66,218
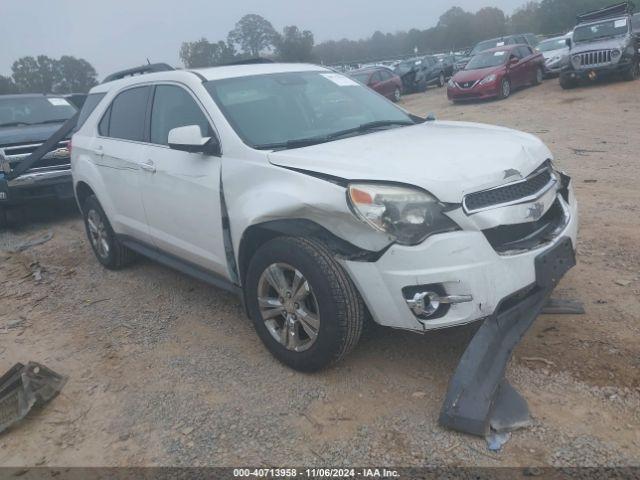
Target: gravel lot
165,370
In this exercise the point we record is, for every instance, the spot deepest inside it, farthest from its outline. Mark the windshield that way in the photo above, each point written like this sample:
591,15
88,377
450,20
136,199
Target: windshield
554,44
34,110
608,28
271,111
486,60
487,45
362,77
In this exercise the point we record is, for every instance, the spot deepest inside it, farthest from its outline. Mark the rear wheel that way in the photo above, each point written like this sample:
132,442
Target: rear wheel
634,72
539,76
505,88
107,248
397,94
304,307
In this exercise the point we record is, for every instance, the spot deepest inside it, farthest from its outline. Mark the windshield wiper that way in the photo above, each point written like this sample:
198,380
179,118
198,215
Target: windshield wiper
55,120
306,142
13,124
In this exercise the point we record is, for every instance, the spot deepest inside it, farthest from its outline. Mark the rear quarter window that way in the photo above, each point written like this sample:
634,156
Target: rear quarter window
89,106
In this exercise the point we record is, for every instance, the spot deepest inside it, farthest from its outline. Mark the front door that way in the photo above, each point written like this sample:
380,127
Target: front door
181,191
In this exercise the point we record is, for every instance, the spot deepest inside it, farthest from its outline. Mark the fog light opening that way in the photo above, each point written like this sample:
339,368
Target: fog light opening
429,302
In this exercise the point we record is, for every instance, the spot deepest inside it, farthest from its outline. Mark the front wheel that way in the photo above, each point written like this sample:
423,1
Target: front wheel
567,83
634,72
505,89
397,94
441,80
305,308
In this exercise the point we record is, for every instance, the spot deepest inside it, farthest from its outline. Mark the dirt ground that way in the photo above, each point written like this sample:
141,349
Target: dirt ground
165,370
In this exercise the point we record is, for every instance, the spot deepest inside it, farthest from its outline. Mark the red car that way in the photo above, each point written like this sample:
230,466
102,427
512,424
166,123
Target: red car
496,73
380,79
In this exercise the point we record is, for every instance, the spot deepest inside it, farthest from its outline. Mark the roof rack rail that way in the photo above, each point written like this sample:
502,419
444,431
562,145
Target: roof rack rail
250,61
151,68
625,8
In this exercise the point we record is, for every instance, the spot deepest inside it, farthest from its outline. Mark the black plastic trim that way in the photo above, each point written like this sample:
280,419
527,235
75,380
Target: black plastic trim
180,265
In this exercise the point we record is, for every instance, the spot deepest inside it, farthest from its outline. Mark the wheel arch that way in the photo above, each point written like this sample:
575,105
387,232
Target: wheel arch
83,191
257,235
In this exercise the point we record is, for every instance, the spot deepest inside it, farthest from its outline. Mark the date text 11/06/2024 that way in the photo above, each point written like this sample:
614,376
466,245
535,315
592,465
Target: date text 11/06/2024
316,473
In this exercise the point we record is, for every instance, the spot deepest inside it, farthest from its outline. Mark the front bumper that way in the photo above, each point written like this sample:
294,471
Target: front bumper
463,263
477,92
597,72
36,185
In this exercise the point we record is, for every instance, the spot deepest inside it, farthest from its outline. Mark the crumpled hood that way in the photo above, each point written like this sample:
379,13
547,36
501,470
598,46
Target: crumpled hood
448,159
560,52
25,134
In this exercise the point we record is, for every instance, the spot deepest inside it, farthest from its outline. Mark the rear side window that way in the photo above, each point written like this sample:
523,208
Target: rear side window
524,52
173,107
89,106
126,115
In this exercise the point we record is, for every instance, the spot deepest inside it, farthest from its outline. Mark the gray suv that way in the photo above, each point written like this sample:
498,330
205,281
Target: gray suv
604,44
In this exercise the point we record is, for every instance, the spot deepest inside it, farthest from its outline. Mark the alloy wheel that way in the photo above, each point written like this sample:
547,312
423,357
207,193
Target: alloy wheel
397,94
98,233
288,306
506,88
539,76
441,80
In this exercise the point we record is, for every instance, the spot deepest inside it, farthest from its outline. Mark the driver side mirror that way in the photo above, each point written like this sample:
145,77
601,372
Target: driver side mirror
189,139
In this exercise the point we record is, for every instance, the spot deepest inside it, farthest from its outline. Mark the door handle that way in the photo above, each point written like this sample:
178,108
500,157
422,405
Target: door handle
99,151
148,166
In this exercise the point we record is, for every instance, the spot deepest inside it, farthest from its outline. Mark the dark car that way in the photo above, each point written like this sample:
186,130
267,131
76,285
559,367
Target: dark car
518,39
381,79
418,73
26,122
496,73
448,62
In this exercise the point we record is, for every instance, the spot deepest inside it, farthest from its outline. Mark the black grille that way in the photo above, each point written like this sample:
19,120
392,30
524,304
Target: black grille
509,193
525,236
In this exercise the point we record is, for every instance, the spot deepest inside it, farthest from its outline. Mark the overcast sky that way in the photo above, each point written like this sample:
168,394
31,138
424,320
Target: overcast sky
118,34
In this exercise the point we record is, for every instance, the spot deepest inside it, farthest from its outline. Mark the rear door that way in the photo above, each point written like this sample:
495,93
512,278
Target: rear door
529,63
119,151
517,71
181,192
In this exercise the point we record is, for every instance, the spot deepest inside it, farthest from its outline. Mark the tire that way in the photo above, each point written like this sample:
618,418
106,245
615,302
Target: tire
330,298
4,222
110,252
567,83
397,94
539,77
505,89
441,80
633,73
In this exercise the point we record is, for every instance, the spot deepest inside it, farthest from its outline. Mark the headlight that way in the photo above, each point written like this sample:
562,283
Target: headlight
576,60
552,60
407,214
488,79
615,54
451,83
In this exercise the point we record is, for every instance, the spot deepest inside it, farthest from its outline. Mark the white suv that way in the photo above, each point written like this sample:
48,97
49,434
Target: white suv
318,201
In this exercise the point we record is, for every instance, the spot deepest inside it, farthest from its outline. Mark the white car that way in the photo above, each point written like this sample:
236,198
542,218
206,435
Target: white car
318,201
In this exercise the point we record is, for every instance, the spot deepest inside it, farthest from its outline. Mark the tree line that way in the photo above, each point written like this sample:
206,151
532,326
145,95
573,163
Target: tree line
254,35
42,74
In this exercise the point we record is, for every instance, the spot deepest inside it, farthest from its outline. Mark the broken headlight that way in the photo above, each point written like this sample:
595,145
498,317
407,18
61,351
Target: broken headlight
407,214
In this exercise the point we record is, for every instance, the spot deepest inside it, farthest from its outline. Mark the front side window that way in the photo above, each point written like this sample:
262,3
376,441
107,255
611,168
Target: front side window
126,115
276,110
174,107
554,44
605,29
36,110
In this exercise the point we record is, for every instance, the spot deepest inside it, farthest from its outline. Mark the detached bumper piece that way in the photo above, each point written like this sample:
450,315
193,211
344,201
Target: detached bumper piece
24,387
480,400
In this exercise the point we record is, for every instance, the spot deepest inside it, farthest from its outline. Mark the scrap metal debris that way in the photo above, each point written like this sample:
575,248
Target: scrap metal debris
24,387
21,247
